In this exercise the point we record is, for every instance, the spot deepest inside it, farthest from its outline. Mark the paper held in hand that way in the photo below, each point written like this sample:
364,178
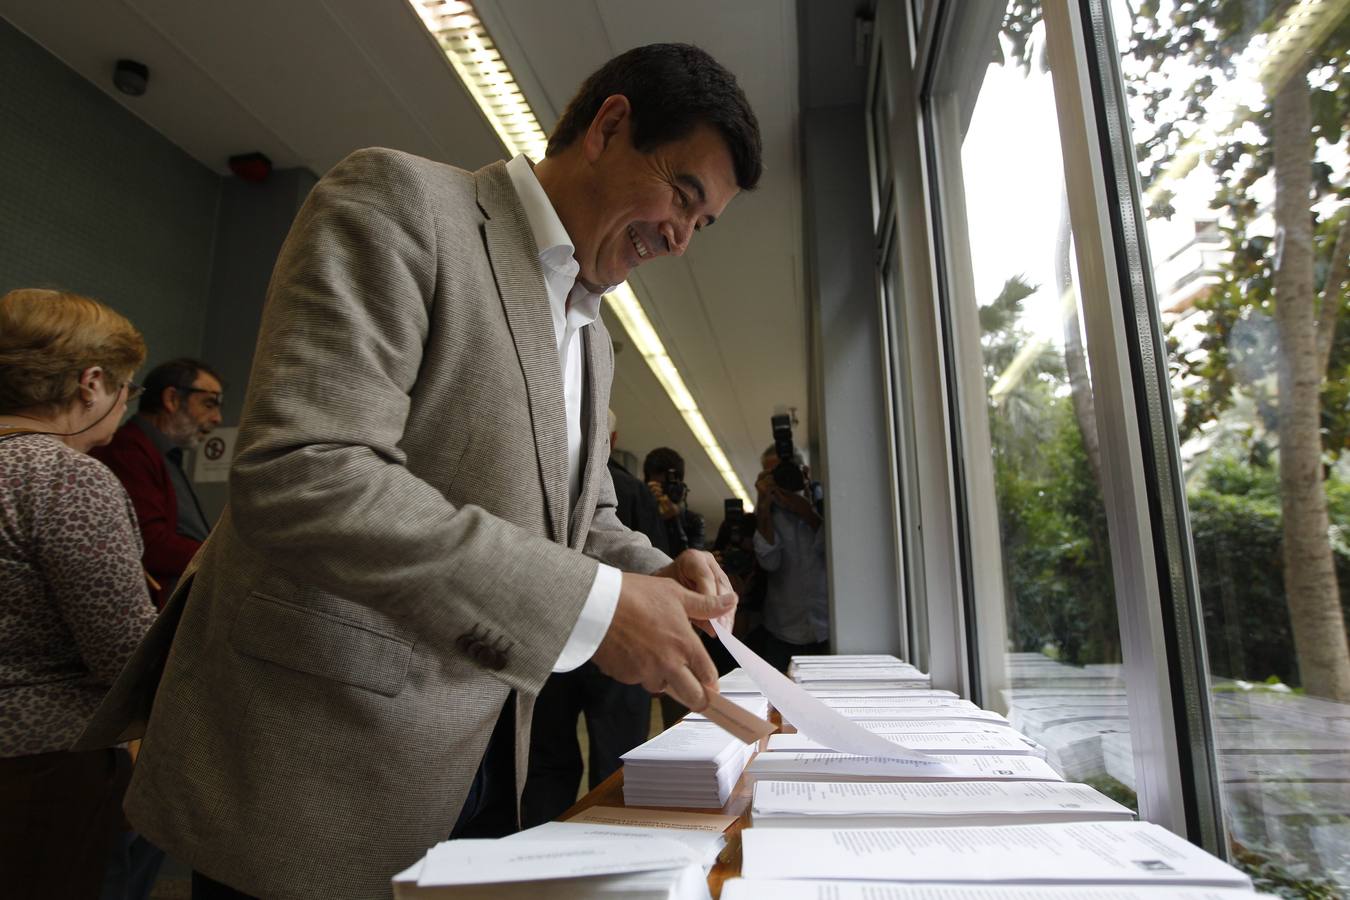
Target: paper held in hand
812,718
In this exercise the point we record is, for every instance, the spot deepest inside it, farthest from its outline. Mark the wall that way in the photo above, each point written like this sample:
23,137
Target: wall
94,201
848,376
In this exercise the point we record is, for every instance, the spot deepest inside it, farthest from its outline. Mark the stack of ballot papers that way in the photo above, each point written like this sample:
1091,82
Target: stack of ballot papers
776,889
854,671
795,804
693,764
999,743
1065,853
566,867
828,767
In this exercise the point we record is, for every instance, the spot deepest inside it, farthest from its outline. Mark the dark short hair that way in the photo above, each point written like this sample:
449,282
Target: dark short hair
176,373
672,88
660,461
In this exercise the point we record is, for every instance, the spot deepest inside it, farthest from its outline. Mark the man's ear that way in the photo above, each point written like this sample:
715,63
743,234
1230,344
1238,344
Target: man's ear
170,399
611,120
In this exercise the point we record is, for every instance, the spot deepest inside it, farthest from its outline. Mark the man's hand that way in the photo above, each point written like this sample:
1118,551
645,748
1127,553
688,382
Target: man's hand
699,571
669,508
649,641
766,487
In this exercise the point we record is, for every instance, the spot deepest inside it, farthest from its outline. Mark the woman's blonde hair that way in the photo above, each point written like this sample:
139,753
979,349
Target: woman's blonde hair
47,338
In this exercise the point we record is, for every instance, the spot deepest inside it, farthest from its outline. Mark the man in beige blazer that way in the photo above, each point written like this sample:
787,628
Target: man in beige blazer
421,524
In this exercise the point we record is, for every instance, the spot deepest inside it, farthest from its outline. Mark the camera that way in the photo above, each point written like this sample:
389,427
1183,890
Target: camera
736,560
787,474
673,487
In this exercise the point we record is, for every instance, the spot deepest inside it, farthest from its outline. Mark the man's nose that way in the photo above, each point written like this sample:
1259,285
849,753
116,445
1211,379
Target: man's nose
678,236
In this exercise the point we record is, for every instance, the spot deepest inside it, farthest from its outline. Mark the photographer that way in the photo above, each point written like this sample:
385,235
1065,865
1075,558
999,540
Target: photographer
790,548
663,470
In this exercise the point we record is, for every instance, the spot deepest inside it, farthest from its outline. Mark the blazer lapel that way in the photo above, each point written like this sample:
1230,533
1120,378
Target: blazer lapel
599,372
520,282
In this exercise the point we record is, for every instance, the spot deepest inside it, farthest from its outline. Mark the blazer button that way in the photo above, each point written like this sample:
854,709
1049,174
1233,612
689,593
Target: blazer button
465,643
494,659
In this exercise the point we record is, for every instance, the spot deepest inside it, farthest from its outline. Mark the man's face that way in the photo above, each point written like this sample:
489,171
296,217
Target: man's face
197,413
649,205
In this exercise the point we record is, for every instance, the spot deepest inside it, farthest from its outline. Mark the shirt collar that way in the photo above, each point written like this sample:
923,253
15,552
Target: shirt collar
556,250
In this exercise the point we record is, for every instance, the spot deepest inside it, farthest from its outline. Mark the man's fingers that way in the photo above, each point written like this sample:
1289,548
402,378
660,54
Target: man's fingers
706,606
684,687
701,664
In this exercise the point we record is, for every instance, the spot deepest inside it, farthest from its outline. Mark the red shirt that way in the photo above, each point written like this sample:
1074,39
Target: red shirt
143,471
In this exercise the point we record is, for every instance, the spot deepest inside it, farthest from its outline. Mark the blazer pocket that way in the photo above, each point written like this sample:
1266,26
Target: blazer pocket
321,645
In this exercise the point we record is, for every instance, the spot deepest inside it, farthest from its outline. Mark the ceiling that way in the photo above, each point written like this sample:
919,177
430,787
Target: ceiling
308,81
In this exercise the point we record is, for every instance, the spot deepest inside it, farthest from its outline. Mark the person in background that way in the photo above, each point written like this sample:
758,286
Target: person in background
73,599
663,470
790,549
618,715
180,407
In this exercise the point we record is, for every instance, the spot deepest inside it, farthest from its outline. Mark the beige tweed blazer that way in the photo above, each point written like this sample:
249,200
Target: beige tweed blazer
397,553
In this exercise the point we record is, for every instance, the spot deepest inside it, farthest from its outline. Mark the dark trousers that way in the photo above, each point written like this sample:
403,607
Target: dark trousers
778,652
489,810
59,815
618,717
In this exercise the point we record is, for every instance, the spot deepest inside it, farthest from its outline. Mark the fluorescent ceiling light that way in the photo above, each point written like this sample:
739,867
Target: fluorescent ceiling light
480,66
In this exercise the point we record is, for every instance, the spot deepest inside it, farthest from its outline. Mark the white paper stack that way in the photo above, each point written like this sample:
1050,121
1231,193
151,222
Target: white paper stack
854,671
703,845
778,889
901,700
1074,853
932,713
873,693
737,682
1005,742
527,868
693,764
786,804
827,767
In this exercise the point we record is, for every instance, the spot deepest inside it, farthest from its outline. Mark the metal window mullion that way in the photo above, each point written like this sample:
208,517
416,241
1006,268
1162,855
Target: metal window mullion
1179,585
1153,737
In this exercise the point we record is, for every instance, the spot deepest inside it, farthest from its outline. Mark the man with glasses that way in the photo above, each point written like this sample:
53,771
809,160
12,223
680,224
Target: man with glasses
180,406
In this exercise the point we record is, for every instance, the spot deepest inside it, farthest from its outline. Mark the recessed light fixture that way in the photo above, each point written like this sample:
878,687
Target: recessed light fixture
480,66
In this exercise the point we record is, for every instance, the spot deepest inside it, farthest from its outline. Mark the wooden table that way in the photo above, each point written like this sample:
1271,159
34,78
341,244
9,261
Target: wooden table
610,793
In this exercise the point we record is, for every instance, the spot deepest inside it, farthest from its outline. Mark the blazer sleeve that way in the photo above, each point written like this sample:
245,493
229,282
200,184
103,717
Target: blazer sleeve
143,474
319,481
612,542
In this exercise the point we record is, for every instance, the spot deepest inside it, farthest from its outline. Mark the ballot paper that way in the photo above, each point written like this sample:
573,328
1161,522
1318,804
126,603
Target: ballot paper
874,713
737,681
465,862
687,883
900,702
901,691
812,718
778,889
1080,852
788,804
845,767
703,845
693,764
1005,742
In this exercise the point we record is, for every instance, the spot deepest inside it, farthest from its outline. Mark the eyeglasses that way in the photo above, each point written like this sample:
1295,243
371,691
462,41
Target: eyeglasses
213,400
134,390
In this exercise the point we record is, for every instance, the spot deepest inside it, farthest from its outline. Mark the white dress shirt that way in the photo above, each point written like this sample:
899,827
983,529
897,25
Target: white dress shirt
573,308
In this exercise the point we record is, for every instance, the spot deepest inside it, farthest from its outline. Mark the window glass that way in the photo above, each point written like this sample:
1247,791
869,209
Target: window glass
1239,115
1047,639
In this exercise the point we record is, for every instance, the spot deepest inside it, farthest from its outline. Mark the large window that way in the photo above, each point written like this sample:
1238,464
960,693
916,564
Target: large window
1041,607
1237,113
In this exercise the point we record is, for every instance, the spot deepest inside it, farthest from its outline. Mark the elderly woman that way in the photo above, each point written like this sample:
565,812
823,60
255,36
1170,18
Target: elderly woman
73,598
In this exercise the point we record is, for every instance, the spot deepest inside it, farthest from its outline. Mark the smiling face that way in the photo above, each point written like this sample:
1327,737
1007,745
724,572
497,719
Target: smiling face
647,205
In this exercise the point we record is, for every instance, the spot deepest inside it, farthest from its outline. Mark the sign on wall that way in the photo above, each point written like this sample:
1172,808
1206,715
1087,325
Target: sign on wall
211,462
